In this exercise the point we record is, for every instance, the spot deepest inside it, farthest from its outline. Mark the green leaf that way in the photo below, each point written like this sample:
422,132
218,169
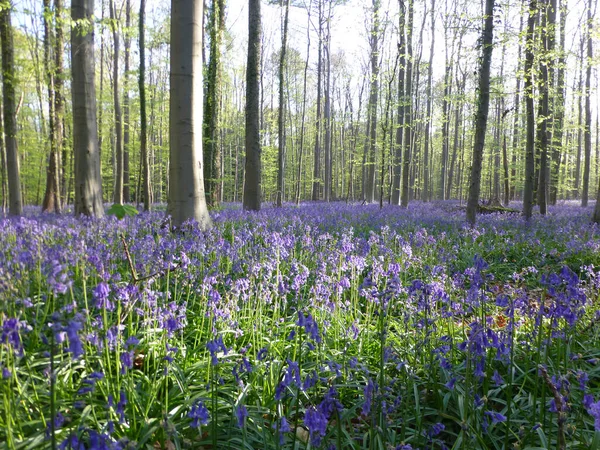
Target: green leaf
120,211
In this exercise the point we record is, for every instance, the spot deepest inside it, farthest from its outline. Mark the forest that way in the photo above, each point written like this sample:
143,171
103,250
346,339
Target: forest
299,224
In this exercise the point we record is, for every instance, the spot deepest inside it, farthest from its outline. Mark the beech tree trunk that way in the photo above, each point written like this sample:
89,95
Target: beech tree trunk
126,106
528,85
373,98
426,194
118,193
147,192
253,149
481,116
281,118
407,107
186,184
587,132
88,183
51,202
398,145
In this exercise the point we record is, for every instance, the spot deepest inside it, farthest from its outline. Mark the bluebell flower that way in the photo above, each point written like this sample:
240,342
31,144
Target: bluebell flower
199,414
316,422
496,417
241,413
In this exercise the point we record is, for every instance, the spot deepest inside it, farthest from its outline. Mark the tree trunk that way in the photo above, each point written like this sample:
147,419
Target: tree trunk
211,112
143,123
528,85
482,111
316,187
281,118
186,186
587,133
580,124
118,193
373,98
51,202
407,135
253,150
328,178
88,183
398,146
426,195
302,125
558,108
126,106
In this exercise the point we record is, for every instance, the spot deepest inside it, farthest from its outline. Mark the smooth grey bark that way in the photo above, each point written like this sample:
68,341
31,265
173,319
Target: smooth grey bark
126,105
327,179
516,116
408,110
481,116
211,150
559,107
88,183
545,127
253,149
528,85
281,114
51,202
118,192
577,185
303,120
425,196
398,145
15,201
186,183
373,99
587,132
316,186
147,192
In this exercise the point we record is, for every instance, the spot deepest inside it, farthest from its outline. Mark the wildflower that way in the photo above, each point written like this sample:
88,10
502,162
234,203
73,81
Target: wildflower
316,422
121,406
241,413
75,345
593,410
496,417
497,378
71,443
435,429
284,427
126,361
100,295
368,392
10,335
213,347
199,414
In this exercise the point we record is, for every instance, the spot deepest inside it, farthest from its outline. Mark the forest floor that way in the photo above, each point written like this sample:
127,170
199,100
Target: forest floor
318,326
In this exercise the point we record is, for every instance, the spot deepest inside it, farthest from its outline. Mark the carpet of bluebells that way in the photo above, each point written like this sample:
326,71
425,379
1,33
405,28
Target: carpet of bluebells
324,326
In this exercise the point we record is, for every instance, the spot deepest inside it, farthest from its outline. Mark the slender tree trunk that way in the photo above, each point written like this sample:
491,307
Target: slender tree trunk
281,118
580,124
3,163
482,111
316,187
118,193
302,125
426,194
211,105
528,85
398,147
545,113
253,151
126,106
328,178
143,123
559,107
373,99
408,107
51,202
88,183
445,126
588,110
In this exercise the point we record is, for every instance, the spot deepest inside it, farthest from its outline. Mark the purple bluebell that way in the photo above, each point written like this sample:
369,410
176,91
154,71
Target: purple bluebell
199,414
